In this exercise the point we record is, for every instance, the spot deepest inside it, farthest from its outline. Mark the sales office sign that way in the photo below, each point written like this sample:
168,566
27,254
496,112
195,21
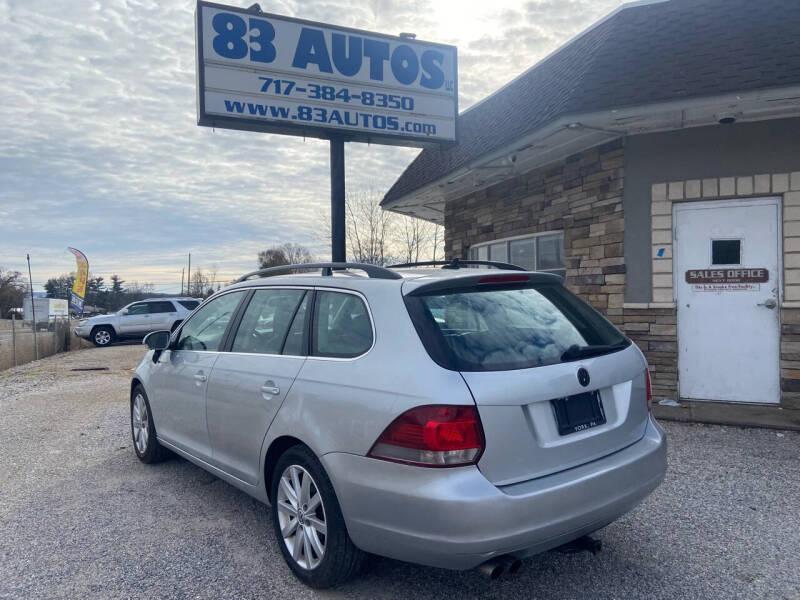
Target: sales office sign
727,280
262,72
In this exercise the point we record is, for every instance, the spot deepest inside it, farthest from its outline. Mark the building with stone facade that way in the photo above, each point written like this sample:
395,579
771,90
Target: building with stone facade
654,162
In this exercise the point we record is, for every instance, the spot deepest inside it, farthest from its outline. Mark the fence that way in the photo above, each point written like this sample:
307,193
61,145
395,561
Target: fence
19,345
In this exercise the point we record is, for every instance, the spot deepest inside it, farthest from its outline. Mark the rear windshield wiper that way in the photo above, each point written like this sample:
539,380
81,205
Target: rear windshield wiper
576,352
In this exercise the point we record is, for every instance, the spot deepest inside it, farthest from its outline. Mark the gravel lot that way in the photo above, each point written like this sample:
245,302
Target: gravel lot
81,517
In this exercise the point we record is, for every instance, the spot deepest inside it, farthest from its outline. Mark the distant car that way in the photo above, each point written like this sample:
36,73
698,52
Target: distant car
136,320
451,417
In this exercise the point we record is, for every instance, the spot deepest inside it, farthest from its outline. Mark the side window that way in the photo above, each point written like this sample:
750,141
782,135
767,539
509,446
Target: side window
140,308
163,306
189,304
266,321
342,328
205,329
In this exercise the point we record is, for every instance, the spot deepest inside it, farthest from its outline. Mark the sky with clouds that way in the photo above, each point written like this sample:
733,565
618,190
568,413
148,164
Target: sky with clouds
99,147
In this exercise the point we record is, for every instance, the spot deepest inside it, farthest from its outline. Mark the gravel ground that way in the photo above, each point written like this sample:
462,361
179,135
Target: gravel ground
80,517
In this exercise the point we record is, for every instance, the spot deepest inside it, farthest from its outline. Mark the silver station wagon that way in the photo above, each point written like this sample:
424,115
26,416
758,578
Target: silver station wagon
441,414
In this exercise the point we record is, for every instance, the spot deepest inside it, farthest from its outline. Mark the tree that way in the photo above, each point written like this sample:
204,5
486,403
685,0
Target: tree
12,290
376,236
60,287
200,285
285,254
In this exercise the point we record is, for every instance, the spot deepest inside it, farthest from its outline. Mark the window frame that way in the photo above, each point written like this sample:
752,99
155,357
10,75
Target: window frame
312,323
161,312
226,335
528,236
144,303
239,317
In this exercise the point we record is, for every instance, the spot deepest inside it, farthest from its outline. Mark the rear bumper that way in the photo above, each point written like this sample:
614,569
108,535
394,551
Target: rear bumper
455,518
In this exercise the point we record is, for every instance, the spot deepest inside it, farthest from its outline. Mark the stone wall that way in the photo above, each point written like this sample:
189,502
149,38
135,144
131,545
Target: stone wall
581,196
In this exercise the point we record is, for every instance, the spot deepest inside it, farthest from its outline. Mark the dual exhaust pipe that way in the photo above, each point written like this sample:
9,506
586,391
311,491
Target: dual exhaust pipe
495,567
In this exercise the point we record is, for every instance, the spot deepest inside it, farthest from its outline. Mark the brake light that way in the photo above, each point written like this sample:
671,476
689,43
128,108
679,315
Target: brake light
504,279
433,436
649,390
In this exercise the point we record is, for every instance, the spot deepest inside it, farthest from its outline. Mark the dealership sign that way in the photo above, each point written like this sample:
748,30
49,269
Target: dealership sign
262,72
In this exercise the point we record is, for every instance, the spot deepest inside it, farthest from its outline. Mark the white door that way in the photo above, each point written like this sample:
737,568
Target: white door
727,278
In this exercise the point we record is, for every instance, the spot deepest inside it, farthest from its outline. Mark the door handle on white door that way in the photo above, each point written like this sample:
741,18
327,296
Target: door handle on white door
769,303
200,377
270,388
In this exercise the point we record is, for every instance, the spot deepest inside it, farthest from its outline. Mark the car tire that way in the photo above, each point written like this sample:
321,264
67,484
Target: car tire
103,336
340,559
143,430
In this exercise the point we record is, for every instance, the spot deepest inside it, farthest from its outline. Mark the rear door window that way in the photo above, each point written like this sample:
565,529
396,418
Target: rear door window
140,308
510,328
189,304
266,321
206,328
162,306
342,326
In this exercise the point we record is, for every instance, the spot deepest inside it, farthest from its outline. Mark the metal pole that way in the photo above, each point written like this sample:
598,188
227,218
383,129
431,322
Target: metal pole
14,336
183,270
189,277
33,308
338,248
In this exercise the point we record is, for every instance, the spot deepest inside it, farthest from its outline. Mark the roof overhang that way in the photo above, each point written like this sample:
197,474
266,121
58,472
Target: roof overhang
577,132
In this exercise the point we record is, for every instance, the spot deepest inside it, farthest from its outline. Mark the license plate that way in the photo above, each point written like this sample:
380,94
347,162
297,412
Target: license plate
578,412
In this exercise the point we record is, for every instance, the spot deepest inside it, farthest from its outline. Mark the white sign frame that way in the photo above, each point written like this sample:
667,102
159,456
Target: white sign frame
221,102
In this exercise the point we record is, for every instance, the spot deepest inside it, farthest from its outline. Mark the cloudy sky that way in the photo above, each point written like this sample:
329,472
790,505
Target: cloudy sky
99,147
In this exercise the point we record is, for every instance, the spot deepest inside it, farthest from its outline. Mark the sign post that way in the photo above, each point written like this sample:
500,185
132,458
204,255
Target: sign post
274,74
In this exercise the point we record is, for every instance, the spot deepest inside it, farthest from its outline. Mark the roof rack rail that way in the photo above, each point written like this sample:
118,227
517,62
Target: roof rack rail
458,263
372,271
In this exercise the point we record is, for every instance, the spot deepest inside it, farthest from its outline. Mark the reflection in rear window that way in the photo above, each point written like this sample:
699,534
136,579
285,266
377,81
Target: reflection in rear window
507,328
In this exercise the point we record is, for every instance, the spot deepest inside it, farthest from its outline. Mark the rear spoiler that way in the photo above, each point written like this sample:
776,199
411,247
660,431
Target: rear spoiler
490,279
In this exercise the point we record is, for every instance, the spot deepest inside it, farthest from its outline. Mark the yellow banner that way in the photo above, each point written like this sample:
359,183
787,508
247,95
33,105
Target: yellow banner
81,275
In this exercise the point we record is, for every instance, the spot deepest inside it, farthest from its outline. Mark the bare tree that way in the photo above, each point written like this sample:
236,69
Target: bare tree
12,290
417,240
285,254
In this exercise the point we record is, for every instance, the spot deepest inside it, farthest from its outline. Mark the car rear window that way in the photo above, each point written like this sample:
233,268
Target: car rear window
189,304
508,328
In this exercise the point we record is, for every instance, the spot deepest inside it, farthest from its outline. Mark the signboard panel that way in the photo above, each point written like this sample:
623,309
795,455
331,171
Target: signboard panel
737,275
262,72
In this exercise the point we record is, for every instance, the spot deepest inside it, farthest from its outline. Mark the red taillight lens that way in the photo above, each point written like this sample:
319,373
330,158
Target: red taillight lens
432,436
649,390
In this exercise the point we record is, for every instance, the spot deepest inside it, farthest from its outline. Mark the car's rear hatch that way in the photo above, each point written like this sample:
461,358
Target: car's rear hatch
525,346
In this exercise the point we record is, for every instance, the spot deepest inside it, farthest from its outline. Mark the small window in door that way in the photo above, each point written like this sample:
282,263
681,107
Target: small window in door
726,252
342,327
266,321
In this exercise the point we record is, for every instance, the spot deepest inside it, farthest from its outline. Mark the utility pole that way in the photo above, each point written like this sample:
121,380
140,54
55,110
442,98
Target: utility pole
183,270
33,307
189,277
338,251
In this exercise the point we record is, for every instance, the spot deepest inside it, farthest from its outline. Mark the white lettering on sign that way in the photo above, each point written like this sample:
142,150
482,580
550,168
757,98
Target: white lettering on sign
726,287
263,72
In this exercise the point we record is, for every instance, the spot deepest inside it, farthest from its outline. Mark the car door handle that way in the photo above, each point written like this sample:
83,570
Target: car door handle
200,377
270,388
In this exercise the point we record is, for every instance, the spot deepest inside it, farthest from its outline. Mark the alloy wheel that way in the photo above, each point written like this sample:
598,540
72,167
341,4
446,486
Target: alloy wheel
301,516
102,337
140,420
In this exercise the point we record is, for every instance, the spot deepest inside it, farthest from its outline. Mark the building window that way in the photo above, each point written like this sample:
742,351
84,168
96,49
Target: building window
543,252
726,252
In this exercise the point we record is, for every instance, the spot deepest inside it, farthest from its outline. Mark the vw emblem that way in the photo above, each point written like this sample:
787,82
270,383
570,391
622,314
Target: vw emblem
583,377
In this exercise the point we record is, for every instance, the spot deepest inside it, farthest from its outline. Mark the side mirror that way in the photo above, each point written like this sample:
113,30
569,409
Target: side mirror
157,340
124,311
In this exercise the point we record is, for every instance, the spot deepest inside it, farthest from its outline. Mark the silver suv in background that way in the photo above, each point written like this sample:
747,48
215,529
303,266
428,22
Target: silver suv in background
136,320
453,417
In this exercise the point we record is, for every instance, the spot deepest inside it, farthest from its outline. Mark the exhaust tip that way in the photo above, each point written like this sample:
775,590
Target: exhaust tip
513,565
492,569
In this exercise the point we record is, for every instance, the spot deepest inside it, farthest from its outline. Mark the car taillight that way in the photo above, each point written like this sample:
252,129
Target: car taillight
432,436
649,390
